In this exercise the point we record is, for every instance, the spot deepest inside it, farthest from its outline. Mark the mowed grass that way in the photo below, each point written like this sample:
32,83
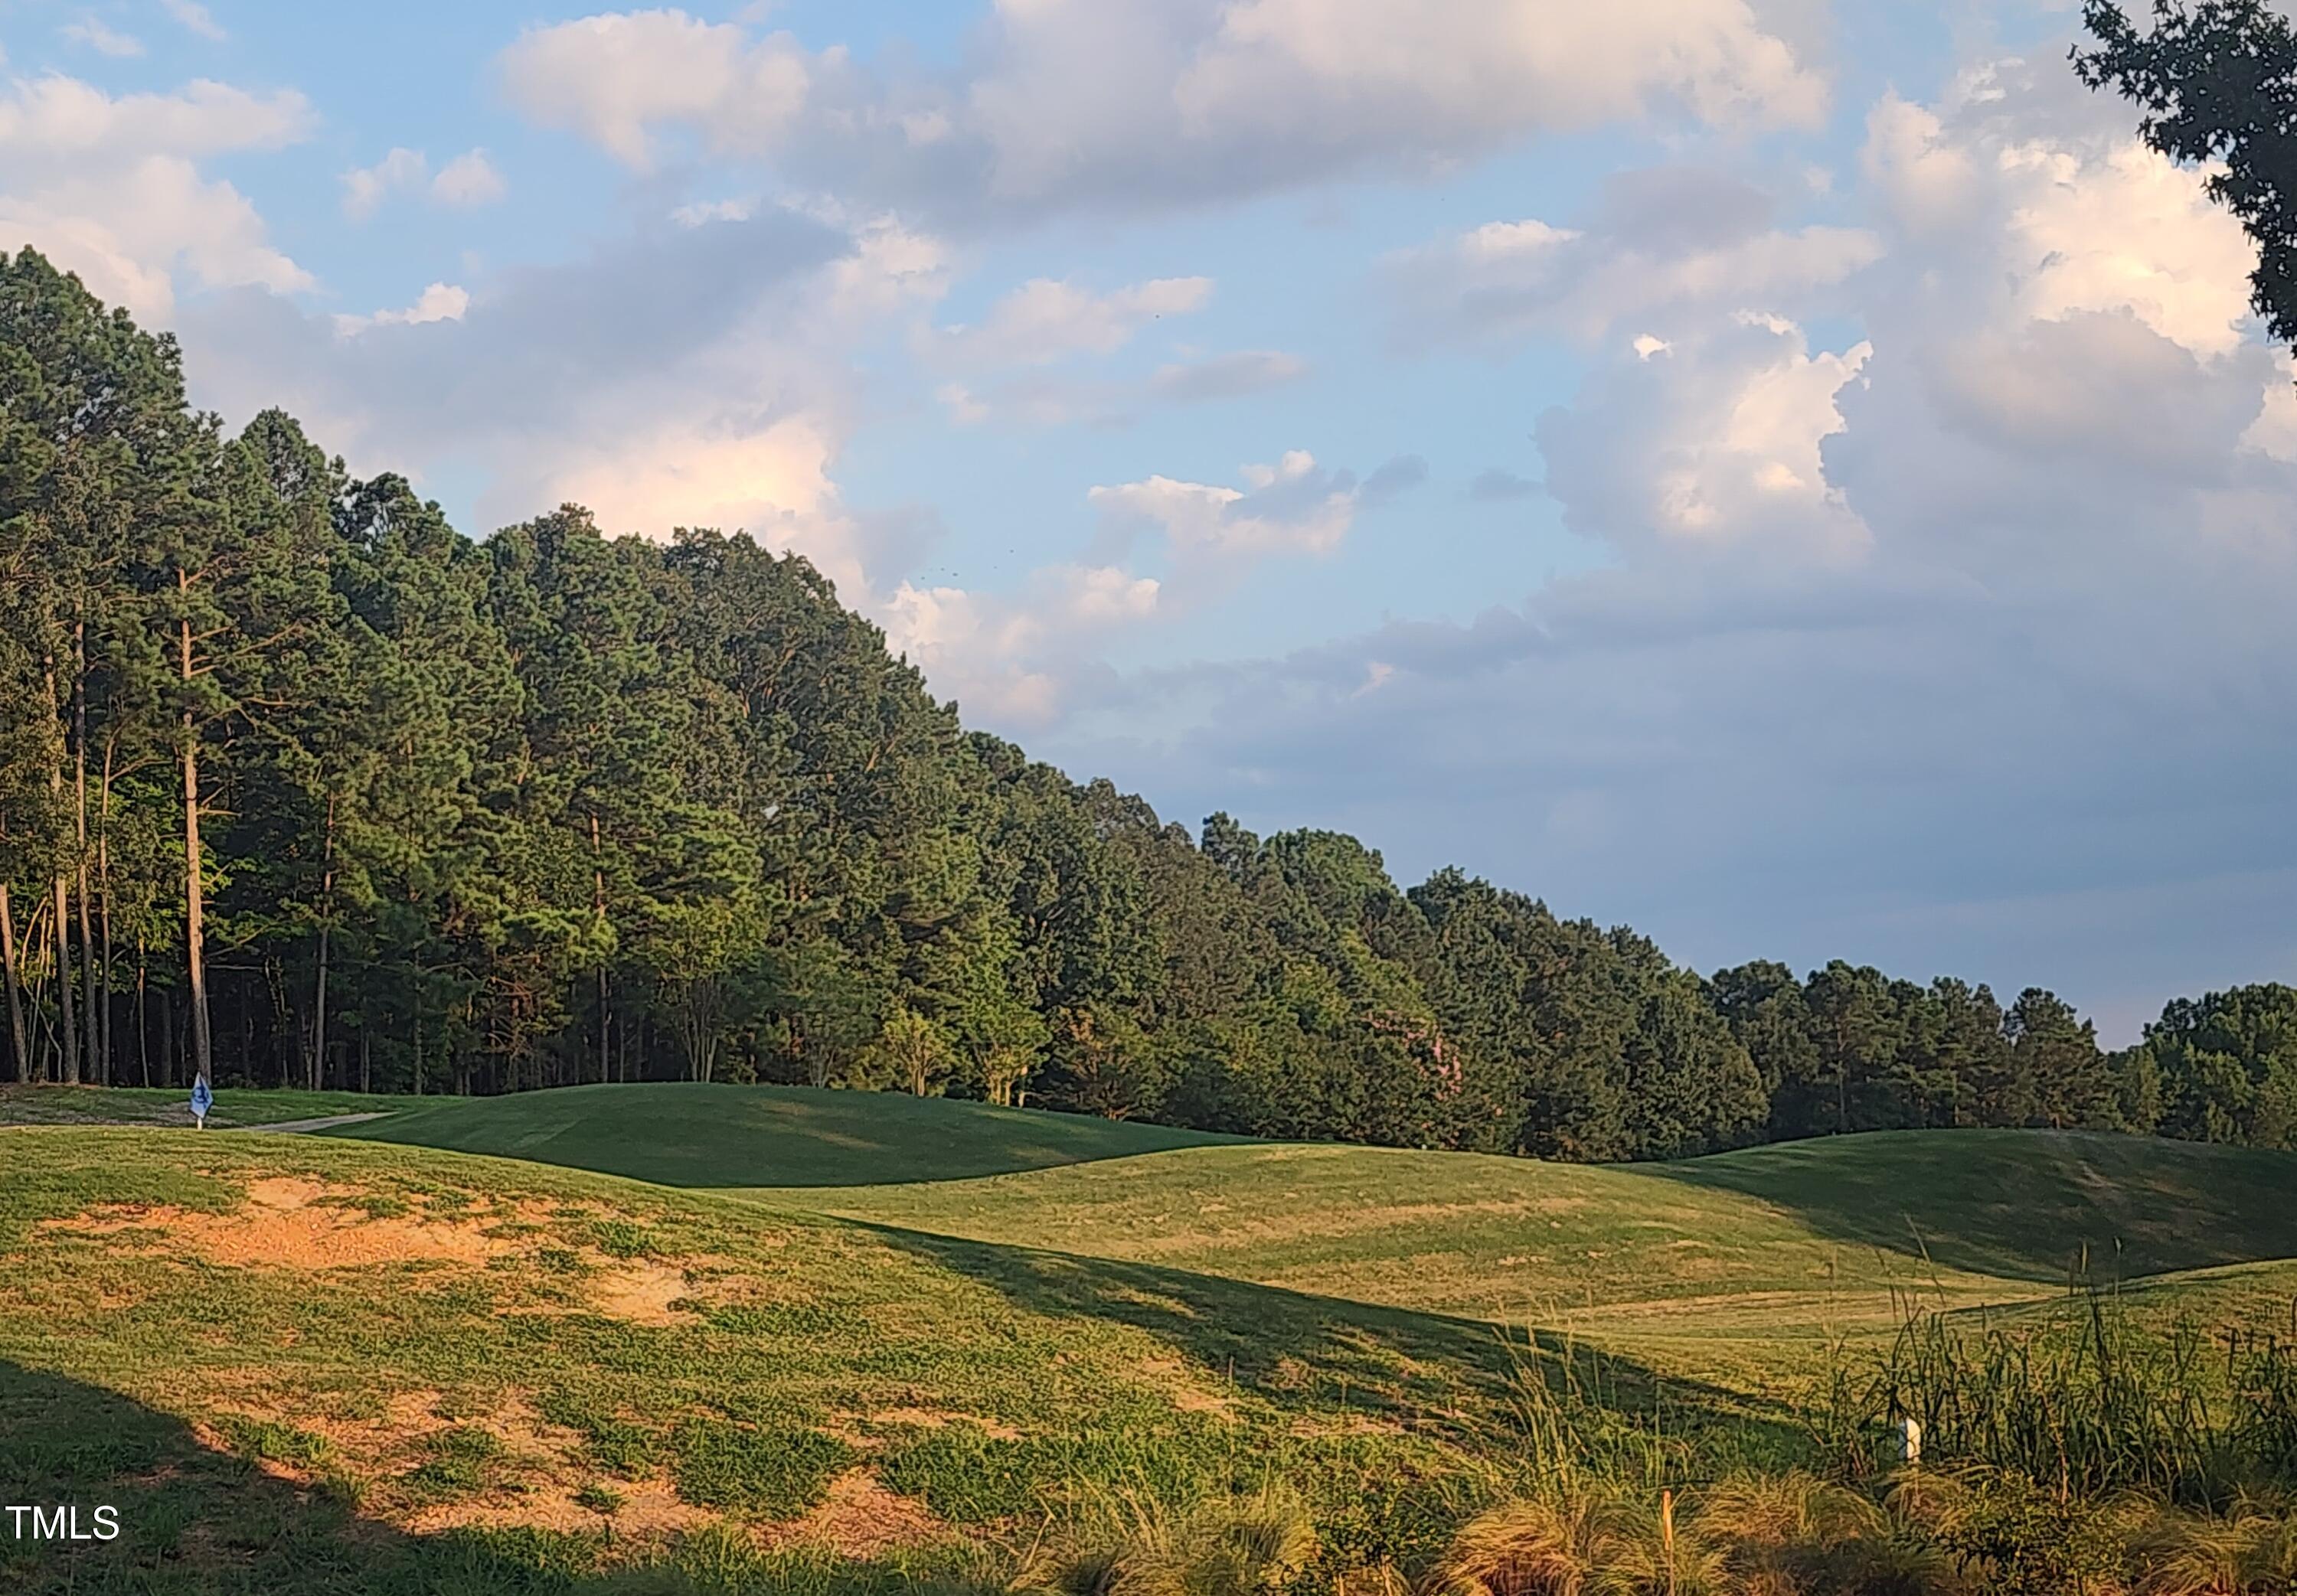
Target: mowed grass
171,1106
321,1365
711,1136
1734,1268
1739,1269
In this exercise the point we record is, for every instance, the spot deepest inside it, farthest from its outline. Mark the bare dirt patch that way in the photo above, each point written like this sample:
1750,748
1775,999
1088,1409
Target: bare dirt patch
645,1510
642,1292
861,1518
290,1224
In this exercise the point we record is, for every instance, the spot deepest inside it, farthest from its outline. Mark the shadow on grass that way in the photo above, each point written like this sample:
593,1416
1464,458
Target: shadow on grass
1423,1371
714,1135
2039,1206
196,1522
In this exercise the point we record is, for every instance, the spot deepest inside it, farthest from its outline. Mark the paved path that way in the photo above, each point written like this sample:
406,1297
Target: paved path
317,1124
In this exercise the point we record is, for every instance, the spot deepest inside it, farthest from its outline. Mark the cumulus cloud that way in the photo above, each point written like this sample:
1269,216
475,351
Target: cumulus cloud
193,18
1662,241
1044,321
94,34
1014,659
618,78
467,181
441,301
365,188
111,186
1130,105
1953,642
680,377
1293,506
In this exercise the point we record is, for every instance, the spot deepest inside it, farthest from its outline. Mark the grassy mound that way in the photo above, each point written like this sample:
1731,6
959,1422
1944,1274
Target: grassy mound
677,1134
1743,1264
443,1349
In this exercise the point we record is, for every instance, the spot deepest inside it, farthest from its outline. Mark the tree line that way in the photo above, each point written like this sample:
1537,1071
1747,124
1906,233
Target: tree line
299,786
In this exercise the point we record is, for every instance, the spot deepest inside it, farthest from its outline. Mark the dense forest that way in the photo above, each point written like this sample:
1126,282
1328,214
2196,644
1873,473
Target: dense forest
298,784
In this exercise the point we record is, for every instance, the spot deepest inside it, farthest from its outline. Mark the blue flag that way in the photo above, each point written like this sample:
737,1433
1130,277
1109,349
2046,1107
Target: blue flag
202,1099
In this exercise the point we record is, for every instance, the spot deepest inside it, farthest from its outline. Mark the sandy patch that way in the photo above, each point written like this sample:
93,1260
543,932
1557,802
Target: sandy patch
861,1518
642,1292
648,1508
285,1223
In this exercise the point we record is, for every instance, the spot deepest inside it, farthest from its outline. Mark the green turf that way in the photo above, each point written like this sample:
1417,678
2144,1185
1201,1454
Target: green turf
1025,1314
1739,1268
1803,1241
780,1136
516,1382
171,1106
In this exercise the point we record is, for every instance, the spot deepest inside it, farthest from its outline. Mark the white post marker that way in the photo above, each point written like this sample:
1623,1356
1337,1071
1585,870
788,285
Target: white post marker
202,1099
1910,1440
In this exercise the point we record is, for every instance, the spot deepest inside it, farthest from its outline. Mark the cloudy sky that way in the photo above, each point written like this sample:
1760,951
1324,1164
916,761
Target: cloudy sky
1793,475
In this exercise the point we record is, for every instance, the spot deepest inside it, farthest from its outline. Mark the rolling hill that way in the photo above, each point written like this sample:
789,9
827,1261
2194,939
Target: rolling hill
1731,1268
679,1134
292,1361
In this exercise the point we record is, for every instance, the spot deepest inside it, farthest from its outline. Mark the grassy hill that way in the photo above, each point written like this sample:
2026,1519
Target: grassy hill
677,1134
1731,1268
411,1354
332,1363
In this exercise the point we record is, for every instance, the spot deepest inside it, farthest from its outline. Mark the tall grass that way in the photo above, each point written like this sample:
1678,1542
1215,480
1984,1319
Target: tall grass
2096,1400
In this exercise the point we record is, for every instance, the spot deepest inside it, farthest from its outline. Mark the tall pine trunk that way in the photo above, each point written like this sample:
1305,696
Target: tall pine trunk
194,894
316,1064
98,1071
67,1028
17,1041
103,907
143,1019
599,908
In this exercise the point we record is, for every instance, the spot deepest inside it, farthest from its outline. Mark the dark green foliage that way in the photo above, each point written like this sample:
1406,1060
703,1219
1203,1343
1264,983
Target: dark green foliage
2225,1068
557,809
2217,80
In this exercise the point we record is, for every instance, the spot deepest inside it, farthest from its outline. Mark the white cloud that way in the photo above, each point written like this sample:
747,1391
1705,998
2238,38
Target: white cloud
111,186
1044,321
467,181
1669,239
1292,506
365,188
614,78
1133,105
1717,445
1936,644
92,32
441,301
193,18
1016,659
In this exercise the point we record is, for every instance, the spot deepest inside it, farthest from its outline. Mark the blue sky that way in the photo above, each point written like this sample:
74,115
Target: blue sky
1791,476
